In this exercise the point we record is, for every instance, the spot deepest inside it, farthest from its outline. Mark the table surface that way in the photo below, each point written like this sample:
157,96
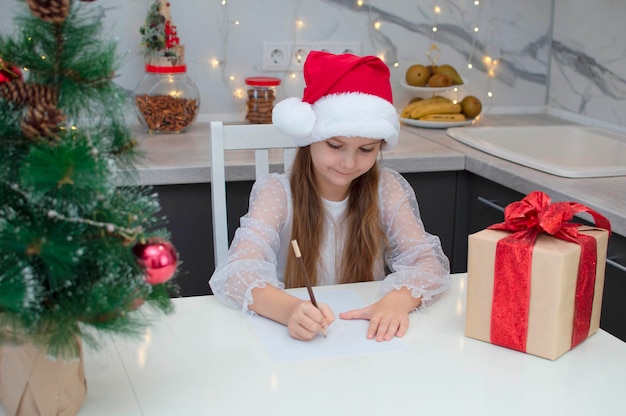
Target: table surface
207,359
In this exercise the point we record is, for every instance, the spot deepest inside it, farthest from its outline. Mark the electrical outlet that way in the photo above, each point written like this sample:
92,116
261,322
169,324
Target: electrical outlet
276,56
324,47
279,56
348,47
298,55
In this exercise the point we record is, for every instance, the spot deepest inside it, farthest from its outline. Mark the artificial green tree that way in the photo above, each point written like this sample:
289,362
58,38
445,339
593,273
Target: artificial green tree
75,238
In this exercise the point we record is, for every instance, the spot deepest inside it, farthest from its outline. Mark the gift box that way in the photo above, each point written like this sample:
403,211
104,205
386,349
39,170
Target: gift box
535,281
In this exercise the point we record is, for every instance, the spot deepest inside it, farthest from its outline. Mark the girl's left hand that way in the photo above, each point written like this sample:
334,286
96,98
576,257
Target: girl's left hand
389,316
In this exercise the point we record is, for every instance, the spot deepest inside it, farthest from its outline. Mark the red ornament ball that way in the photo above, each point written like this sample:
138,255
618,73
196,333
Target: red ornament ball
158,257
9,73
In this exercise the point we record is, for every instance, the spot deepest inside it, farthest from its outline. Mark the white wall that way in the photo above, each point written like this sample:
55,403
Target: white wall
588,62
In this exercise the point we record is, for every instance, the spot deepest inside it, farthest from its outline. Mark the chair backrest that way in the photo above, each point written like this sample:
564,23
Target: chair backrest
259,138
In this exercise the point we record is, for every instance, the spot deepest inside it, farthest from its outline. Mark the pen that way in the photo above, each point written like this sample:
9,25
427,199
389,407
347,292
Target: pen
296,250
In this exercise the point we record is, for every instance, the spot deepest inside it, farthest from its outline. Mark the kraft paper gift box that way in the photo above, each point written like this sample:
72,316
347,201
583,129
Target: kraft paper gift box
541,315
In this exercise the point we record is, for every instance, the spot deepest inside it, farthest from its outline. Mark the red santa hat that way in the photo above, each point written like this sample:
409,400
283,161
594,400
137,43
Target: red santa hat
345,95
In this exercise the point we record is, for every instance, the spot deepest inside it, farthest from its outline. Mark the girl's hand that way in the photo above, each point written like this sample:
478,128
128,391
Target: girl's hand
389,316
305,320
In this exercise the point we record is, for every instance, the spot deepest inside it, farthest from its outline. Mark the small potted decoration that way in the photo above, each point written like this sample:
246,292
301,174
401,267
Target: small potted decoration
166,98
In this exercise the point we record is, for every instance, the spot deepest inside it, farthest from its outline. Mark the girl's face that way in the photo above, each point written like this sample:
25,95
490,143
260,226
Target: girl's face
339,160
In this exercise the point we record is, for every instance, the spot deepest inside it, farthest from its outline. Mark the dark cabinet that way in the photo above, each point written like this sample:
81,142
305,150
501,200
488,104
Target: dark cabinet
188,211
613,318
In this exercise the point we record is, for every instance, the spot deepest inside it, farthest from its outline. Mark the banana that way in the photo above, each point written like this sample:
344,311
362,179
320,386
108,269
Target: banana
406,112
426,107
444,117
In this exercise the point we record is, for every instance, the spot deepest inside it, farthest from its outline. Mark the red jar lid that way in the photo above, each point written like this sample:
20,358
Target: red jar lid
262,81
175,69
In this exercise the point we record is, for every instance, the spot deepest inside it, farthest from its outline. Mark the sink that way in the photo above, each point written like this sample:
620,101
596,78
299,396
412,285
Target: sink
569,151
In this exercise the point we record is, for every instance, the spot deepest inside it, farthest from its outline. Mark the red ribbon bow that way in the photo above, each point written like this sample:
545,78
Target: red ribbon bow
528,218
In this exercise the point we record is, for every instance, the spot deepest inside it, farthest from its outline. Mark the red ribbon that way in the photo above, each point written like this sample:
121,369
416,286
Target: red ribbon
528,218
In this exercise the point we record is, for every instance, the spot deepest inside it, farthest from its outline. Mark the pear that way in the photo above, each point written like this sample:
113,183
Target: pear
417,75
471,106
439,80
451,72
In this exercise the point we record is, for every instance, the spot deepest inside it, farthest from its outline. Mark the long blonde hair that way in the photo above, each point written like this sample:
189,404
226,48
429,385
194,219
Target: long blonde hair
365,239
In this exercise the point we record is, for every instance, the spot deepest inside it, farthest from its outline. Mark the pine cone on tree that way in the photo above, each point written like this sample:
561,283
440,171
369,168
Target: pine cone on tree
42,120
53,11
25,94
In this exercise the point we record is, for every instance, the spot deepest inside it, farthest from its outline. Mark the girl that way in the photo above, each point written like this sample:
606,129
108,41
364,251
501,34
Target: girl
352,220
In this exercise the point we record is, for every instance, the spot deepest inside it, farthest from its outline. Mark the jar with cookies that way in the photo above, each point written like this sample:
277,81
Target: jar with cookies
261,97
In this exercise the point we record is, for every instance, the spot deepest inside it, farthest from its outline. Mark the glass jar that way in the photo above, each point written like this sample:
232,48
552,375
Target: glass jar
167,100
261,97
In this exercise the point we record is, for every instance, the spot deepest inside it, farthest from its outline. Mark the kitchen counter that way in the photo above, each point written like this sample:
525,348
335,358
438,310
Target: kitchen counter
184,159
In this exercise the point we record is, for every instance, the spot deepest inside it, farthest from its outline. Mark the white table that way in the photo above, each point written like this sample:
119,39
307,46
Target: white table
206,359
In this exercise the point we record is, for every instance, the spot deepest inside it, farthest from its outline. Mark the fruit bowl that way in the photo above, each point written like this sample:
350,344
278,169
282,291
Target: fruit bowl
428,90
436,124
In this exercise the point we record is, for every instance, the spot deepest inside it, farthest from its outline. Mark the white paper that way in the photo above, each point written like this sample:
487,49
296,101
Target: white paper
343,337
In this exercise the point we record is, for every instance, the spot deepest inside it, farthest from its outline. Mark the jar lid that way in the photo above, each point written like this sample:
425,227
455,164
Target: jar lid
175,69
262,81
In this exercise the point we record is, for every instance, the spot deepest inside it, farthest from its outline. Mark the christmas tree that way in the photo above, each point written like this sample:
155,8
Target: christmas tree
80,255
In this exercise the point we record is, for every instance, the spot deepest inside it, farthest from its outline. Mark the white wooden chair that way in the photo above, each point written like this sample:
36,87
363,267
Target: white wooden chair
259,138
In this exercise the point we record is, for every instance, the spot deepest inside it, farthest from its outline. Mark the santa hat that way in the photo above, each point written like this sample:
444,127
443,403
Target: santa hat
345,95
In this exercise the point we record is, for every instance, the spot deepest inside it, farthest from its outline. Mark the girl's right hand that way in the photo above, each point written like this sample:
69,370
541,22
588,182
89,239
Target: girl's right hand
305,320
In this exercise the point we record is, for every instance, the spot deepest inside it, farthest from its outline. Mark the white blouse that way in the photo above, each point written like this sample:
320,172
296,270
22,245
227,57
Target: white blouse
258,253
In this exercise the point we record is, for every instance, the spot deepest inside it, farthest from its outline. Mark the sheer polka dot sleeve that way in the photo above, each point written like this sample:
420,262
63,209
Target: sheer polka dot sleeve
252,256
415,257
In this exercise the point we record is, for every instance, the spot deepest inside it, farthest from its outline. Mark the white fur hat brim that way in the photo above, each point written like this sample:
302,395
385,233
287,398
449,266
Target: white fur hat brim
344,114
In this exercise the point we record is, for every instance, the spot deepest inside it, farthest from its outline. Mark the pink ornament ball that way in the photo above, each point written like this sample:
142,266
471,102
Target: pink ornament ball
158,257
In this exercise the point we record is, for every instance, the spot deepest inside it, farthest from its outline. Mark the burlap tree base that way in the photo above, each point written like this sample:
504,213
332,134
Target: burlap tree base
32,383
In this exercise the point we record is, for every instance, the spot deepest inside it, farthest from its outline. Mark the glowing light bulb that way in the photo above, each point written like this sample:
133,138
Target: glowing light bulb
476,3
232,77
490,94
437,10
223,2
43,57
396,64
214,63
476,29
470,66
377,25
239,93
299,24
359,3
434,28
236,22
293,75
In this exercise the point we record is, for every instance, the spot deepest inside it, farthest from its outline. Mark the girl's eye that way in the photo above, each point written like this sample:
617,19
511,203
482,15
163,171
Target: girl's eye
367,150
333,146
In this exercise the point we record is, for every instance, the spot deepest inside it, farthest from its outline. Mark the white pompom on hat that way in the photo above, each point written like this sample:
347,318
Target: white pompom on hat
345,95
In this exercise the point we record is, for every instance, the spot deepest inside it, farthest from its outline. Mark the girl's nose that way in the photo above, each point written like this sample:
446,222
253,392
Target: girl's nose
348,160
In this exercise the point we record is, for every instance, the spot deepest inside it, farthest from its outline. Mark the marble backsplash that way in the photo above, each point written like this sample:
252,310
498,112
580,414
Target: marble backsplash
521,57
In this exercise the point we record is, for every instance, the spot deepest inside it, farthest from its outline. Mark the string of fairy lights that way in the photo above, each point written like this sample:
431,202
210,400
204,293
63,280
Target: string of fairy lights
237,84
